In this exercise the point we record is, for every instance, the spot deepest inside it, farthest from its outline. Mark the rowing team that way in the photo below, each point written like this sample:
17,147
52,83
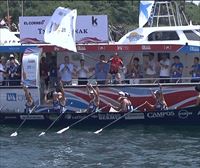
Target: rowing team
58,100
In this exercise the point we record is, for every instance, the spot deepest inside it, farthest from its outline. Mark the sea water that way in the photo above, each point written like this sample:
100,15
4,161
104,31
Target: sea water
135,146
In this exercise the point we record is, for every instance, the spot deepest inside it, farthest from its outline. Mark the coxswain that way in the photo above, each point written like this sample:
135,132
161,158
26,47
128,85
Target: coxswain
94,98
197,88
125,104
29,100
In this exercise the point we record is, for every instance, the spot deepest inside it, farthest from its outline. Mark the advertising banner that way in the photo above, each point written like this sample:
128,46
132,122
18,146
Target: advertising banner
30,68
89,28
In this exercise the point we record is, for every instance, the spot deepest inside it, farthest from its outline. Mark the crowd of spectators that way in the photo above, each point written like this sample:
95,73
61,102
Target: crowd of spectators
105,71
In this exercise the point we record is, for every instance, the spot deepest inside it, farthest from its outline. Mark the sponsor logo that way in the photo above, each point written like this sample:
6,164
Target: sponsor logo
31,61
134,36
10,117
94,21
101,47
68,116
167,47
160,114
14,97
195,49
146,47
11,97
132,116
109,116
32,117
81,48
183,114
34,22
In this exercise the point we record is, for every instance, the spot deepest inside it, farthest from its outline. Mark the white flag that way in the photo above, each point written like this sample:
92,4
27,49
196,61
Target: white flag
145,12
61,28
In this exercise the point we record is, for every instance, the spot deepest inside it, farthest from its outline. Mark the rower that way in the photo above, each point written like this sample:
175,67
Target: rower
57,98
125,104
160,101
94,98
61,97
29,100
197,88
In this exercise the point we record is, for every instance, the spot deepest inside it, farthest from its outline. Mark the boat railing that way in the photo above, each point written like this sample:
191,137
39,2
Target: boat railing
127,81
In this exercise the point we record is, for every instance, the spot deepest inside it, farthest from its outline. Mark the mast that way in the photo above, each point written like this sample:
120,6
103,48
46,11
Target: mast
167,13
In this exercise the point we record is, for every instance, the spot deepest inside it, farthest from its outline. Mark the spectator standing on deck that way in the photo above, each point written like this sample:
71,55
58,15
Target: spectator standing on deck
150,68
12,71
164,65
176,70
82,73
52,72
115,64
2,71
101,70
66,70
195,70
44,73
134,70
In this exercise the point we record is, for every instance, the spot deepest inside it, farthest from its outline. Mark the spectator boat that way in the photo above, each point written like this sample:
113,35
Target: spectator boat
178,38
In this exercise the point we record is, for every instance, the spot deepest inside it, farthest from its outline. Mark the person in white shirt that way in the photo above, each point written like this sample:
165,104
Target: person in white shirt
66,70
150,68
164,65
82,73
1,73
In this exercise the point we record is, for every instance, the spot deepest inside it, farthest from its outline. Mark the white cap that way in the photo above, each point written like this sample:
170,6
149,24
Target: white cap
11,55
121,93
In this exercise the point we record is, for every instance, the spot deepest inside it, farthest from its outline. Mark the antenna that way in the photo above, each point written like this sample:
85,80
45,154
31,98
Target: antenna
7,3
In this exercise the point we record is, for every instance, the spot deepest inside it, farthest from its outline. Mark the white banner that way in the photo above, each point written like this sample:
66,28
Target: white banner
89,28
60,30
30,68
145,12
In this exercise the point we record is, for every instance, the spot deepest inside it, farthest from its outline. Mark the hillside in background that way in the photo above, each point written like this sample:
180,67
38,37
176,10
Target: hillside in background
120,13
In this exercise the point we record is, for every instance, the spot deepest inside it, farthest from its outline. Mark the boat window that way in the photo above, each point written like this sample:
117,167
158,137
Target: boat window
163,35
191,35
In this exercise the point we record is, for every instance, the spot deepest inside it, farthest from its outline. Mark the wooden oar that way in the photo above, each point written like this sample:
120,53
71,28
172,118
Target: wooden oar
66,128
44,132
15,133
100,130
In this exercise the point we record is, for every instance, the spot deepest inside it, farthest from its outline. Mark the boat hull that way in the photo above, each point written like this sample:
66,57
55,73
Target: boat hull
186,116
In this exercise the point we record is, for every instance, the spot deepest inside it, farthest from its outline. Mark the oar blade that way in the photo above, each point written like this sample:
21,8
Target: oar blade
62,130
42,133
98,131
14,134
